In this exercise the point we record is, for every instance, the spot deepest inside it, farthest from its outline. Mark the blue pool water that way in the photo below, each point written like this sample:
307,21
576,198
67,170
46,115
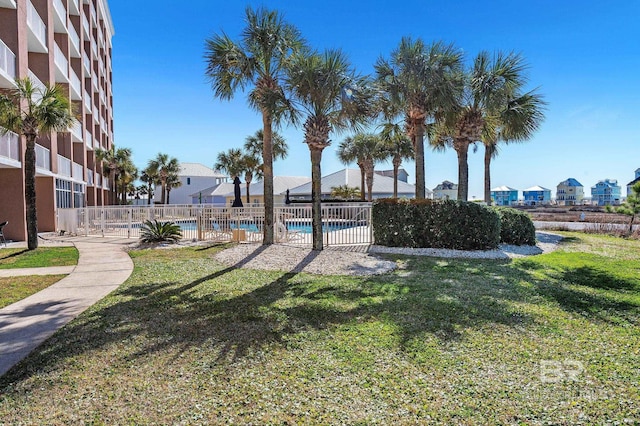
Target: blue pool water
302,227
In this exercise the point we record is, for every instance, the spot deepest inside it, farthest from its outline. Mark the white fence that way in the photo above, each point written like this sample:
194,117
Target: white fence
343,224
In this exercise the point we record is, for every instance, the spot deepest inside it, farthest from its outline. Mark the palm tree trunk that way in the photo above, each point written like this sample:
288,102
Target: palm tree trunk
163,184
316,195
396,167
462,149
362,183
369,171
247,180
267,170
488,153
30,192
149,192
168,192
418,144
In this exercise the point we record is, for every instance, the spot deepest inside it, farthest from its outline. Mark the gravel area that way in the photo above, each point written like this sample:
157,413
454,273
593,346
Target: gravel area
341,262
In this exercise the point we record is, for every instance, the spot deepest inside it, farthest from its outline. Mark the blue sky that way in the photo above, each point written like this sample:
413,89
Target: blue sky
584,56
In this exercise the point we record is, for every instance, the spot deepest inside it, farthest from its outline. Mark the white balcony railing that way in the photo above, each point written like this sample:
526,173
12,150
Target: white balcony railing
101,64
86,28
64,166
43,157
74,81
103,124
87,64
89,177
76,130
103,98
105,183
74,7
7,61
89,140
94,49
75,42
96,115
36,24
94,83
60,60
9,145
77,171
98,180
93,13
60,11
87,102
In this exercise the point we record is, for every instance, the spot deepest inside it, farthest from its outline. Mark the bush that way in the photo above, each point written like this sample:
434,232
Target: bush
516,227
157,232
439,224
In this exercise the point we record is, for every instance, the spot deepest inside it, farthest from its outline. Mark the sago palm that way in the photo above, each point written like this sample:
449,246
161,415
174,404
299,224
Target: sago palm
418,82
32,112
334,99
257,63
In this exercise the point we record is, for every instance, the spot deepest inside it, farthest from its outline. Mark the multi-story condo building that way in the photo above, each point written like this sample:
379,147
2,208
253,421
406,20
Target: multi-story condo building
64,42
606,193
569,192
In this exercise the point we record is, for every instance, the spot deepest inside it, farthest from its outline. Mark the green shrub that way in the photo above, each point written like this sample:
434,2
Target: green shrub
439,224
516,227
157,232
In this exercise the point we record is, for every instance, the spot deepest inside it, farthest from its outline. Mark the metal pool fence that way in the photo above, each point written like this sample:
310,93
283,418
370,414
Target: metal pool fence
342,224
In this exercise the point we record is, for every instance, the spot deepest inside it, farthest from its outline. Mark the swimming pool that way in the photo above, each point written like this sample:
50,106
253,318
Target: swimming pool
301,227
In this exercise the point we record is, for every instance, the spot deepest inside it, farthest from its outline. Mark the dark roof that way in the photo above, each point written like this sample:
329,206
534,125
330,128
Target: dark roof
570,182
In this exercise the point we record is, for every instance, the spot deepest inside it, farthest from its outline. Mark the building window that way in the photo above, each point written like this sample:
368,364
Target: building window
78,195
188,181
63,194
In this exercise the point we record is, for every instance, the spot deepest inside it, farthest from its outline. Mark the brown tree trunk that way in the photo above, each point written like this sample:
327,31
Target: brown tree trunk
362,182
168,193
267,169
488,153
418,144
462,149
316,197
30,192
369,175
396,167
247,180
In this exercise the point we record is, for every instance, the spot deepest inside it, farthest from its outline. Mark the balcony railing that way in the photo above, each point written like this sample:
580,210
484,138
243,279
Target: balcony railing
75,41
87,64
89,140
87,102
64,166
98,180
77,171
85,27
7,61
9,145
60,60
74,7
76,130
96,115
74,81
36,24
60,11
43,157
93,13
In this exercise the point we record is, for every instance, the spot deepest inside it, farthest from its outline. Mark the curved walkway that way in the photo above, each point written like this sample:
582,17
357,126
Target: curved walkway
102,266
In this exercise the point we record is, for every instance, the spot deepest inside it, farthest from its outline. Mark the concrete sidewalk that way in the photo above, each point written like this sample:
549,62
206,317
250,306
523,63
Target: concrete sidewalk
102,266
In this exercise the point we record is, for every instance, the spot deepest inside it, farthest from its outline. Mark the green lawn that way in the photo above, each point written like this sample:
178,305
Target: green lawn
551,339
13,289
40,257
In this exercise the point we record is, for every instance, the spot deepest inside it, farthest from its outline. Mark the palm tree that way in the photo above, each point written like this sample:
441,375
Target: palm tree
345,192
163,167
32,112
258,60
173,181
149,177
230,162
398,147
334,99
117,163
253,145
491,107
419,81
365,149
251,167
347,154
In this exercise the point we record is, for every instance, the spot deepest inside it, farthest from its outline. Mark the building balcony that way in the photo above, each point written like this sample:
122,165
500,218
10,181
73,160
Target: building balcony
64,166
74,7
96,115
9,4
37,39
74,52
86,28
77,171
94,15
7,66
59,17
76,86
89,177
9,149
94,83
89,141
98,180
62,65
39,85
43,158
76,131
87,102
86,62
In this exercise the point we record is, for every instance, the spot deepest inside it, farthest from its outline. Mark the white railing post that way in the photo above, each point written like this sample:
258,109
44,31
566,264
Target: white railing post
129,214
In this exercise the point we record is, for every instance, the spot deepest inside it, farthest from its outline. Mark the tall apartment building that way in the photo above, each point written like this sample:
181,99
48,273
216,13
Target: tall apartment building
66,42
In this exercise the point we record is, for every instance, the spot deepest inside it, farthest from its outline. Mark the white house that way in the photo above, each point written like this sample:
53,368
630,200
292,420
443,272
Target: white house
446,191
194,177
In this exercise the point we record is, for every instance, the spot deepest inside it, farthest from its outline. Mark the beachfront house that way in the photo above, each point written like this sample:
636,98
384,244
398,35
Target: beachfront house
194,177
606,193
382,186
633,182
216,195
445,191
504,196
536,195
569,192
403,176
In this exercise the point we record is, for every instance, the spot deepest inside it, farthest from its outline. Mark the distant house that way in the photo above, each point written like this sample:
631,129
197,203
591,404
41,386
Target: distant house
633,182
216,194
403,176
382,186
445,191
536,195
194,177
569,192
256,190
504,196
606,193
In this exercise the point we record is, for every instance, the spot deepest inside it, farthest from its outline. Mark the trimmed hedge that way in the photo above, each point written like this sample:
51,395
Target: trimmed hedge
439,224
516,227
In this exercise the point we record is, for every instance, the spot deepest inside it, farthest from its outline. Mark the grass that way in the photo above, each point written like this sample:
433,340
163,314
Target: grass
550,339
13,289
40,257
